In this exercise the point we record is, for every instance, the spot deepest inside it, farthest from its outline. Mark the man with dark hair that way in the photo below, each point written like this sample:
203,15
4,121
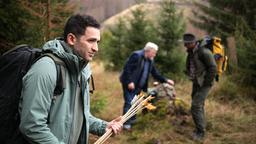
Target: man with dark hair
66,118
134,77
201,69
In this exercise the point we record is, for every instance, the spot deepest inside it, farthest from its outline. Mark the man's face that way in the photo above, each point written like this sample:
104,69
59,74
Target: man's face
87,45
150,54
190,45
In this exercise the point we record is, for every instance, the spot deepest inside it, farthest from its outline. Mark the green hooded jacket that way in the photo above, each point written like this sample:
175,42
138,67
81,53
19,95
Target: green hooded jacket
50,121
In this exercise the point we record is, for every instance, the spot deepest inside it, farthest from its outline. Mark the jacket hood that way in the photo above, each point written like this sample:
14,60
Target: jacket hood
74,63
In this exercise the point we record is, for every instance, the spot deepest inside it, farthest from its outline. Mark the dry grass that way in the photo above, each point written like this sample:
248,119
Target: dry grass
107,85
226,123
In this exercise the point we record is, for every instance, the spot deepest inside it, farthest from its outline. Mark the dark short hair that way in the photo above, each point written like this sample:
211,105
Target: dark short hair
77,25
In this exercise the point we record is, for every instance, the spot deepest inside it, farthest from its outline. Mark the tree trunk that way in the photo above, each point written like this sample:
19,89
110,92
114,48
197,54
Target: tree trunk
48,16
232,52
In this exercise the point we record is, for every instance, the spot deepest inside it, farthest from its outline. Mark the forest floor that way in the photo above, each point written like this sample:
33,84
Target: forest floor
228,122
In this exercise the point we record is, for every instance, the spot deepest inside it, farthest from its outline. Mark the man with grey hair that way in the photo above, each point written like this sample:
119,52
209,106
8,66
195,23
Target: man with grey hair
134,77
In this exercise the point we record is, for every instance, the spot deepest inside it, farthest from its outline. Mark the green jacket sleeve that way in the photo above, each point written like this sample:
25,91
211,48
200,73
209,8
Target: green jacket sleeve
97,126
38,87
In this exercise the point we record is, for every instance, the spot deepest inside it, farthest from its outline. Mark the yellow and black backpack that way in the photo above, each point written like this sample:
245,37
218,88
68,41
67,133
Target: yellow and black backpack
218,50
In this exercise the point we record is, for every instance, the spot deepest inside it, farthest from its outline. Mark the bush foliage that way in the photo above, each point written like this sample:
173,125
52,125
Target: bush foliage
131,34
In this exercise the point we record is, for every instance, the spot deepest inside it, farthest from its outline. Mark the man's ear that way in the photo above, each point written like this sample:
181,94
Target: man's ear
71,39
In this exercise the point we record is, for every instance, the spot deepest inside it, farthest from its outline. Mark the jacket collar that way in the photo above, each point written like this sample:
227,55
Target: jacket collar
75,64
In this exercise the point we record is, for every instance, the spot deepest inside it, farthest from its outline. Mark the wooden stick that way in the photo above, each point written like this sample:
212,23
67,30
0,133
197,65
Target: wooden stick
133,106
104,137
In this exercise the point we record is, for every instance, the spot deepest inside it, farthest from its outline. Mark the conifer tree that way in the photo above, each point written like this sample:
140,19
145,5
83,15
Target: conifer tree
11,24
31,21
46,19
128,35
140,30
113,49
223,16
171,28
233,18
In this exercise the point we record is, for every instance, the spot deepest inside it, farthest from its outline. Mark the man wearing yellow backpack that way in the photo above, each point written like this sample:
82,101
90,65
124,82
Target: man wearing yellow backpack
201,68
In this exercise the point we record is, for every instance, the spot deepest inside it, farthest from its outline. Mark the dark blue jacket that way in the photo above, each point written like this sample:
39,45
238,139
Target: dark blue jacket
133,70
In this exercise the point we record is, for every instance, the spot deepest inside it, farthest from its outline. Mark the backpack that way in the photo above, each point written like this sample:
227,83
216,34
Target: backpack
14,64
214,44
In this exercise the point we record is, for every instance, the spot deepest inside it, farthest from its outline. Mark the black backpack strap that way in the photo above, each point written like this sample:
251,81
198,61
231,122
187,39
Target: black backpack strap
61,78
92,83
61,75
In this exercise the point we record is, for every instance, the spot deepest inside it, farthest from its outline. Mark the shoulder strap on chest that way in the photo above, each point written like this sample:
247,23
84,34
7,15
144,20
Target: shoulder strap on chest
61,73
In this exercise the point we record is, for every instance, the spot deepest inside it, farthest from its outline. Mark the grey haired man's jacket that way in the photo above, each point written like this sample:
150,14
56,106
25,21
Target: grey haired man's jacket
134,67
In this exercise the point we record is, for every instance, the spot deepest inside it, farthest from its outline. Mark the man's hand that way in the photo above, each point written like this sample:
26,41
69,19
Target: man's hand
170,82
115,125
131,86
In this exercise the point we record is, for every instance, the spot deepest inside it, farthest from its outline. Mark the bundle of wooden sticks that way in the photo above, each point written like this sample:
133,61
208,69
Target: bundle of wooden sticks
138,103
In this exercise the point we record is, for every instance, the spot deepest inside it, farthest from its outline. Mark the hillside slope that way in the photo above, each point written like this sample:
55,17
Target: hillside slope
152,12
